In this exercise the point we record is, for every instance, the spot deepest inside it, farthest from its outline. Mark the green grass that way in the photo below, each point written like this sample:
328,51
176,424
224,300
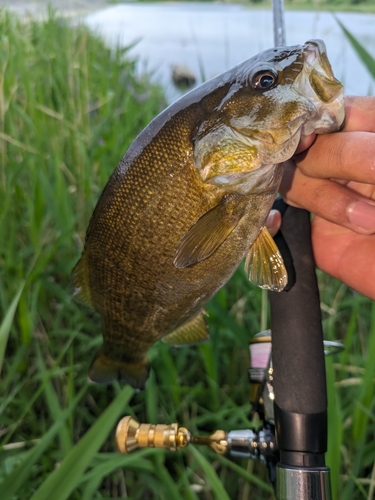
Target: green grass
69,107
363,54
365,6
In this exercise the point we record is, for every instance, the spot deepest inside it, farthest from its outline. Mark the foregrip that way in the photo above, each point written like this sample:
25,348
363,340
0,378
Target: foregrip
297,348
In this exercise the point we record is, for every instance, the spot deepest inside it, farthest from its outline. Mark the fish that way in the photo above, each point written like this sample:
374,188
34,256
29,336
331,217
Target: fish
188,202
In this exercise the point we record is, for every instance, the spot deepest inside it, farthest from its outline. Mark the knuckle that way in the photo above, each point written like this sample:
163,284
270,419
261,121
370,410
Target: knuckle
329,202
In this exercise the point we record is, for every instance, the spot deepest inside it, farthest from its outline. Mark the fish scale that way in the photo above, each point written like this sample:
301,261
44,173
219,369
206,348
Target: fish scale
188,200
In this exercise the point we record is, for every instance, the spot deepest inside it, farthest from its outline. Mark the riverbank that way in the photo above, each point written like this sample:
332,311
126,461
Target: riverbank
74,8
361,6
210,37
69,8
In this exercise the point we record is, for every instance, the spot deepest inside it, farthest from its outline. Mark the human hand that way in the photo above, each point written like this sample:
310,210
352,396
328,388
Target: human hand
335,180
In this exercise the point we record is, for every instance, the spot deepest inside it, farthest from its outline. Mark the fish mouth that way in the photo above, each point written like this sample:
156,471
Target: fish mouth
317,83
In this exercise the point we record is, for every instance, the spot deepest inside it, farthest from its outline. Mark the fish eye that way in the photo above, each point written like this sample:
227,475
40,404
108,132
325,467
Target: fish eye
263,79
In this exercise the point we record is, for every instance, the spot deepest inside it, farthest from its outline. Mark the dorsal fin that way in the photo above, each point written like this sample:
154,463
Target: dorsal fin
79,282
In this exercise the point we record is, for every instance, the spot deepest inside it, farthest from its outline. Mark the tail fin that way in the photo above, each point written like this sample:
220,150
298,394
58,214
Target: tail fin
105,370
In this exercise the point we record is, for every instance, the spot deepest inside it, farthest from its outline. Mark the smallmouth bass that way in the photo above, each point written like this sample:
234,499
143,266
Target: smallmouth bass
189,200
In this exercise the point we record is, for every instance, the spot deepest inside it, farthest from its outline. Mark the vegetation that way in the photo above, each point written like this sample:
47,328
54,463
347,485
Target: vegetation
69,107
318,5
315,5
331,5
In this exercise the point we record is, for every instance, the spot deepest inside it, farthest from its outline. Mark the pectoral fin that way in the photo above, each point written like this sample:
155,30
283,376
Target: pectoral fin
264,265
79,282
208,233
194,331
105,370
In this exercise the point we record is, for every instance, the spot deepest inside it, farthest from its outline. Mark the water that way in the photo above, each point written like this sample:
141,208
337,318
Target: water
217,36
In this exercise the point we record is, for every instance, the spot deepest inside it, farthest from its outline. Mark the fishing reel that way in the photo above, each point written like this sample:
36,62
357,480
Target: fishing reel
256,444
131,435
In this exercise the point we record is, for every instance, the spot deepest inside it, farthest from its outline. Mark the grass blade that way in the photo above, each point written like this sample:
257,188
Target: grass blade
62,481
251,478
139,462
365,402
212,478
53,405
7,323
20,474
362,53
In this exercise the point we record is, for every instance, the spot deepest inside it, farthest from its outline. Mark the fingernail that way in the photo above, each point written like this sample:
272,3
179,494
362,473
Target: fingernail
362,215
271,217
273,222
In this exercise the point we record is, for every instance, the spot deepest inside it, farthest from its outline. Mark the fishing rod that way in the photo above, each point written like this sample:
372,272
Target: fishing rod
279,37
300,404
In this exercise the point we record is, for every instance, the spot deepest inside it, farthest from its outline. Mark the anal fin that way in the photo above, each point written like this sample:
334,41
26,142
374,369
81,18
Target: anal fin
193,331
264,265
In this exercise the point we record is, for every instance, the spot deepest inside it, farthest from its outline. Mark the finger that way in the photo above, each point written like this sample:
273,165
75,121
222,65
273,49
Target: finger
343,155
360,117
335,250
328,199
305,142
360,114
273,222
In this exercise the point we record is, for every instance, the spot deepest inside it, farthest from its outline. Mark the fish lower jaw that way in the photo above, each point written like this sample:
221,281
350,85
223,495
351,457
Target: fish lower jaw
324,117
331,118
255,182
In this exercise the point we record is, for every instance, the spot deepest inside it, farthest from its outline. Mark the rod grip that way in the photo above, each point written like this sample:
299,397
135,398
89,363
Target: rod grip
297,344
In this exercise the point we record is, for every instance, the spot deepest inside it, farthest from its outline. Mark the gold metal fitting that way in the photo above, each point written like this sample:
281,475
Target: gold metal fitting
131,435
